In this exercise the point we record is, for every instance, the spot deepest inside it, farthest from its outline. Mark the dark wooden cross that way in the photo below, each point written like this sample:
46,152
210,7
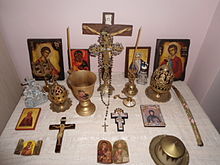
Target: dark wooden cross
114,29
61,127
119,117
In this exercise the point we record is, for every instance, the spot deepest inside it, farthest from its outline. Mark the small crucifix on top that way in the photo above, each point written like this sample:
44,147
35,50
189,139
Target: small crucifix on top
61,127
119,117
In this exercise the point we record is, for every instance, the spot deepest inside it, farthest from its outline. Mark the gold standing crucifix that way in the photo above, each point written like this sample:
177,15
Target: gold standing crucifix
106,49
61,127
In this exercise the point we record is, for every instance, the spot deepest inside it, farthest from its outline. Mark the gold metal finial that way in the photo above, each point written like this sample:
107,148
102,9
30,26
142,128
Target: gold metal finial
172,146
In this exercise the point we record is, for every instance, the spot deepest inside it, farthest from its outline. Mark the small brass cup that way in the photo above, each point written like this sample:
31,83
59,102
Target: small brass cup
82,84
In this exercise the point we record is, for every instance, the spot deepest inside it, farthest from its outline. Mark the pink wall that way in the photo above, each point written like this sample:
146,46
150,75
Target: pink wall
207,65
176,19
205,77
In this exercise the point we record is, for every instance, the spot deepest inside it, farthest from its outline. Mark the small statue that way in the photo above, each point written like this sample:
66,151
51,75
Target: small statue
142,74
33,93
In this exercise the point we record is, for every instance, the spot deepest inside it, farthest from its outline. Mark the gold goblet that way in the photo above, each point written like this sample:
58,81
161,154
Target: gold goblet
82,85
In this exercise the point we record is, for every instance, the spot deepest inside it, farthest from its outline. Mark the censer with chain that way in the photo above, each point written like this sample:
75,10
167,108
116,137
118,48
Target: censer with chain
57,94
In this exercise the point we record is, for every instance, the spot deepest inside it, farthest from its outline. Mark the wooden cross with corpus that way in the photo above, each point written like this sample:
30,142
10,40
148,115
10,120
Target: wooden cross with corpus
119,117
61,127
113,28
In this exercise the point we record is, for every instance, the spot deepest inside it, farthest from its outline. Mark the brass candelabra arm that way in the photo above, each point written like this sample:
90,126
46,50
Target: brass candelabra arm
127,101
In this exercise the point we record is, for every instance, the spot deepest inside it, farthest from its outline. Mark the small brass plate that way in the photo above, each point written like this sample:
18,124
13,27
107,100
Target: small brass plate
152,148
163,97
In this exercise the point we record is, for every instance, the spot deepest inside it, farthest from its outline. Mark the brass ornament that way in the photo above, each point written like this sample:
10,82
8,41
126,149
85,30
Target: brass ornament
82,84
58,96
160,84
168,150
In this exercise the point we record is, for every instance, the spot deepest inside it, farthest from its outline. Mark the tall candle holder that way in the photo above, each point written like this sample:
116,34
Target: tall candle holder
130,89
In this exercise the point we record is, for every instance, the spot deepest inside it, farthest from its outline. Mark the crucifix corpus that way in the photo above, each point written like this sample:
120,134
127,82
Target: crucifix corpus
106,49
119,117
61,127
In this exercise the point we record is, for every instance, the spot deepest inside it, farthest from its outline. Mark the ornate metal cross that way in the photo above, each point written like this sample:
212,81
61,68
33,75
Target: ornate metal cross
106,49
61,127
119,117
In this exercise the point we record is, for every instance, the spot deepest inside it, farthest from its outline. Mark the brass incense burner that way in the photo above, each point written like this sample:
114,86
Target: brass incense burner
58,96
57,93
168,150
160,84
82,84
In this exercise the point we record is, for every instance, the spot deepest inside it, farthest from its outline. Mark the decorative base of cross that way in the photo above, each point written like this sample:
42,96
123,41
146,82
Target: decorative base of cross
106,89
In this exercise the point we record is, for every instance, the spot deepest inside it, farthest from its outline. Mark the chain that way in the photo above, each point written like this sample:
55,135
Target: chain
100,65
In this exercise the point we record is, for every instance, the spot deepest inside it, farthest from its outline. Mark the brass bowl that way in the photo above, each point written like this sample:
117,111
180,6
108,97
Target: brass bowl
168,150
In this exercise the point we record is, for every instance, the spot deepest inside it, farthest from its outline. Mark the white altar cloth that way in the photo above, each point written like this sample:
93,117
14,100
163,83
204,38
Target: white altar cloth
79,146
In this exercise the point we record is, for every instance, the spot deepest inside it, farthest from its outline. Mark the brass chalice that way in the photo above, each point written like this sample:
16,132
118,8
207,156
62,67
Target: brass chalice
82,84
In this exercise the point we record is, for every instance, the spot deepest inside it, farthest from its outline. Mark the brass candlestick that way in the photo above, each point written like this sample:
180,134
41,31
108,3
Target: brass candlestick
130,89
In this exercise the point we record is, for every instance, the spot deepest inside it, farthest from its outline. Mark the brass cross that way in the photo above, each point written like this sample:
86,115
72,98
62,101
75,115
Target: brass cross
106,48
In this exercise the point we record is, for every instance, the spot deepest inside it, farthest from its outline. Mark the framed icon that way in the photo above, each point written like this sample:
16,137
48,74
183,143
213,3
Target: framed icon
174,52
28,148
79,59
28,119
142,58
152,116
108,18
46,51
